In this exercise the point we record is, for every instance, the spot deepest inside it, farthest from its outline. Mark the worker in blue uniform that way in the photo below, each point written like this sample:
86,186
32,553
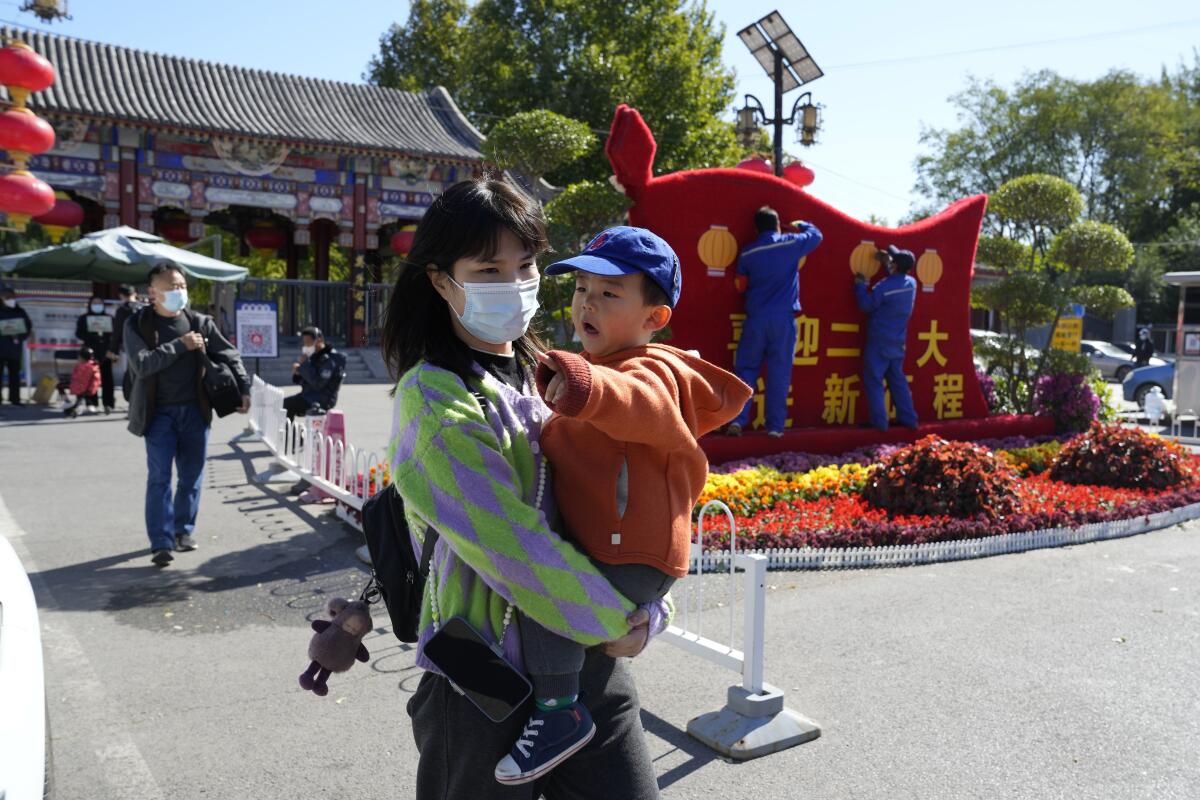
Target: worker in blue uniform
888,307
769,272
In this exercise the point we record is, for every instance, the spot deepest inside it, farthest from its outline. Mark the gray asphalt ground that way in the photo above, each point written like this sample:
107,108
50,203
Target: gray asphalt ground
1066,673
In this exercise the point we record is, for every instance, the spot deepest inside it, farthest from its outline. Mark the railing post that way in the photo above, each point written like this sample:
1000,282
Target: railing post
755,582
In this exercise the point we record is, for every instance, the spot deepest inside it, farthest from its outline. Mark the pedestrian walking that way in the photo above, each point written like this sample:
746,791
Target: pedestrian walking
95,329
1143,349
169,407
14,330
467,422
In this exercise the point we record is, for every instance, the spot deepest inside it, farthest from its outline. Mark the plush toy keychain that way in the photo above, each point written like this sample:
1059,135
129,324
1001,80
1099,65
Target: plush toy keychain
335,645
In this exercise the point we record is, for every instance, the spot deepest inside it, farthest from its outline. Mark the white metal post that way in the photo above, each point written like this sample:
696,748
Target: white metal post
755,577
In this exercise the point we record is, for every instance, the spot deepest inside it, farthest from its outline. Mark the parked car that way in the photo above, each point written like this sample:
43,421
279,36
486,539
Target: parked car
1112,361
1139,382
994,339
25,769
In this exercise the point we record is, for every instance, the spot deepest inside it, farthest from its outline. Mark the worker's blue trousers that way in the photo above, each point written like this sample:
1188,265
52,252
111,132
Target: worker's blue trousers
773,340
876,370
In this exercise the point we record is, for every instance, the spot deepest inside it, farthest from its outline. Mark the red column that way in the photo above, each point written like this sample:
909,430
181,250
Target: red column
358,268
129,188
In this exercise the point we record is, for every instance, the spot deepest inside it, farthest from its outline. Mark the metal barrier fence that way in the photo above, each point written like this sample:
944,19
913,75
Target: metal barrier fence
347,473
753,722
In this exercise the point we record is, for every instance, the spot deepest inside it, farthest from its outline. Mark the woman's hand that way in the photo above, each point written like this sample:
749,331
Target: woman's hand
633,642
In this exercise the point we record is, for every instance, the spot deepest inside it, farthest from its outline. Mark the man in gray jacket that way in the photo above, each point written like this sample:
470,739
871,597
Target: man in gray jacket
168,406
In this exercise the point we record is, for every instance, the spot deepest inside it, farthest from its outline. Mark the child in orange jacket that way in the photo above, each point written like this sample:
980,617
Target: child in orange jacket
85,381
627,467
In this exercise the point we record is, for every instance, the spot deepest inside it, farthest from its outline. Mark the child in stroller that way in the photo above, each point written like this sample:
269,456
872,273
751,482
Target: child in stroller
85,382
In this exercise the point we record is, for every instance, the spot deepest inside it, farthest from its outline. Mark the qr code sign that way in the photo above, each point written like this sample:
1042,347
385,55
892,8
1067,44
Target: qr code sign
257,340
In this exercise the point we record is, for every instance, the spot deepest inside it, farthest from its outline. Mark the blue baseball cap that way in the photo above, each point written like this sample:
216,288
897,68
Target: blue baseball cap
623,251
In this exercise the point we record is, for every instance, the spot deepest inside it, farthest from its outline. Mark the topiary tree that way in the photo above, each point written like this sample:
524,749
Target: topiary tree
575,215
1052,259
536,142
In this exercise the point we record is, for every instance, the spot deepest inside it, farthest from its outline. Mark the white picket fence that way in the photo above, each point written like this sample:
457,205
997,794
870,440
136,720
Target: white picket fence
341,470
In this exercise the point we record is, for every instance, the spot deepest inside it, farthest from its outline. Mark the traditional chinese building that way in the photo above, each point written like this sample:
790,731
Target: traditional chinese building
290,164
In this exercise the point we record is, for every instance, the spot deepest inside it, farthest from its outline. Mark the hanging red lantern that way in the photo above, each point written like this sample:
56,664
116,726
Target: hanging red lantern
24,134
757,164
799,174
65,215
402,240
176,230
266,239
23,196
23,71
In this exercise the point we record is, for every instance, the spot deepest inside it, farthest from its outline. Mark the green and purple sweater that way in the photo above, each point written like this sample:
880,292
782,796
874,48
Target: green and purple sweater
474,479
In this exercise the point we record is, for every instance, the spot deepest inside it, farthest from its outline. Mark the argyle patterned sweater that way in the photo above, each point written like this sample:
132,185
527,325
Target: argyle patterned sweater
474,479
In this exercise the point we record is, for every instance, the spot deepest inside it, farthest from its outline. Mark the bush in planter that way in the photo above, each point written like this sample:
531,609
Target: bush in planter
1108,455
936,477
1068,398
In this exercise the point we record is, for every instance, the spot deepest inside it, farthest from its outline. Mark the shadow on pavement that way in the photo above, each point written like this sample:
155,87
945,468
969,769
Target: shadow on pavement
287,565
681,743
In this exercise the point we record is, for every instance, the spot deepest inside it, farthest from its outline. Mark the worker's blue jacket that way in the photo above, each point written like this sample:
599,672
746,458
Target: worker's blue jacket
770,264
888,307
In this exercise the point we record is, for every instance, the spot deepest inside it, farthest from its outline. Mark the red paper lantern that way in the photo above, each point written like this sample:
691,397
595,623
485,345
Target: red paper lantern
798,174
266,239
23,196
23,71
402,240
65,215
757,164
24,134
176,230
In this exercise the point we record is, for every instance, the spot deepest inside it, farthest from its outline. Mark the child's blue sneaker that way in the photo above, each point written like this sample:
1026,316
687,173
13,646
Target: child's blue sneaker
549,738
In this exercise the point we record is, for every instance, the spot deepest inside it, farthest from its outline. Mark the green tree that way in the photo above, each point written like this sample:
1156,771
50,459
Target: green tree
536,142
579,59
1051,259
1117,139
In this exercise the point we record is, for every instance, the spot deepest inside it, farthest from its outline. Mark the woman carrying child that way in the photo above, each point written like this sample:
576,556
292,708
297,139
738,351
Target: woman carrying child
467,463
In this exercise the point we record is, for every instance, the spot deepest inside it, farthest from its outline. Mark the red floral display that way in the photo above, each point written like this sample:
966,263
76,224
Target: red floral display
1107,455
937,477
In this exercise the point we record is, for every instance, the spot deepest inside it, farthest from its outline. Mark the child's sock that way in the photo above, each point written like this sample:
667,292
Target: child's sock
552,703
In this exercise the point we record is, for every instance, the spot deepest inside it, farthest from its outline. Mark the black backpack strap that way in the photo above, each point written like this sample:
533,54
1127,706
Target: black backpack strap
431,537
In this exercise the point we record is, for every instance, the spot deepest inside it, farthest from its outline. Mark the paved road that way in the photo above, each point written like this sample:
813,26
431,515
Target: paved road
1068,673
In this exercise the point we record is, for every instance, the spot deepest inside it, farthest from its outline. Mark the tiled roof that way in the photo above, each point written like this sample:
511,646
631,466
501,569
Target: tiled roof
119,83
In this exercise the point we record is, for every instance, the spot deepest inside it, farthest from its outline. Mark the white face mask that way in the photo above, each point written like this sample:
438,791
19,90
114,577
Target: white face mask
97,308
10,302
498,313
175,300
308,349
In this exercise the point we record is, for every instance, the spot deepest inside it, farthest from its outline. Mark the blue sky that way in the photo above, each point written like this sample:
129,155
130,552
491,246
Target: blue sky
885,69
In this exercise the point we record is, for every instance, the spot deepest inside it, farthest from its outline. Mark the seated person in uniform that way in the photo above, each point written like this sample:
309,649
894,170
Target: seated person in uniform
319,372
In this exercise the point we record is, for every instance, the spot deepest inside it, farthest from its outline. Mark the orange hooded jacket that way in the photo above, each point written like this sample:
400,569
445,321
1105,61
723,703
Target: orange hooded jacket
627,467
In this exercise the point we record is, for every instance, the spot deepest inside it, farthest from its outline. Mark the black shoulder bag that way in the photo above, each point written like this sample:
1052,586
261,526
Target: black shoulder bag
220,386
396,574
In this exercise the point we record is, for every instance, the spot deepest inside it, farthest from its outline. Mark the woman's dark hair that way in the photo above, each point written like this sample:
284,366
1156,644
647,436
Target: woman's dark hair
464,222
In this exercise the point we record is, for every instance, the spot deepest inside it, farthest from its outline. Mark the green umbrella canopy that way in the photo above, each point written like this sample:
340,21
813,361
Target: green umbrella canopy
117,255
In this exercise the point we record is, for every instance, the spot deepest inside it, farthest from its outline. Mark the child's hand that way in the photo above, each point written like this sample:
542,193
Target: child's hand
557,386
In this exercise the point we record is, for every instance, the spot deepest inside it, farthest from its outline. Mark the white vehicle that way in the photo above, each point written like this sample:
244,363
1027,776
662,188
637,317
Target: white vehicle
25,772
978,337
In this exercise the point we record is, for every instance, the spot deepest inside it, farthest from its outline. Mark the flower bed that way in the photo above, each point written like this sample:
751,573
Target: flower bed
826,506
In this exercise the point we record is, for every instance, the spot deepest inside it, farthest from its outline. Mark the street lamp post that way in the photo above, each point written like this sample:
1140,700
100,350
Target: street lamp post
787,61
